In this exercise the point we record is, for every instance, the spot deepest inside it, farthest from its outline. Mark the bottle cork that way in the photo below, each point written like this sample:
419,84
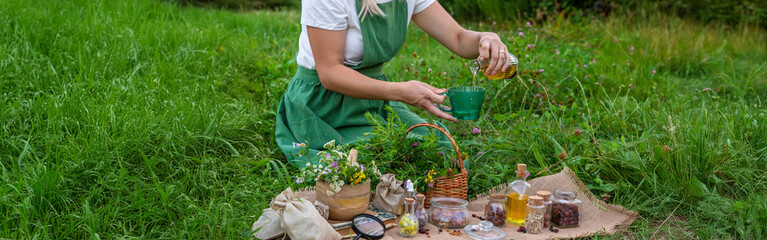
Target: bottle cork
521,170
535,201
409,200
546,195
420,196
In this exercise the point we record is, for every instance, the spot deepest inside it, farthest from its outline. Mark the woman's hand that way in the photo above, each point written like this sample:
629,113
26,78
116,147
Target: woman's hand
435,21
491,47
423,96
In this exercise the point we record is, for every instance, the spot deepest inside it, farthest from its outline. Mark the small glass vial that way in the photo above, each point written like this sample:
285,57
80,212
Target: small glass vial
408,223
564,209
495,210
420,213
535,212
546,195
516,195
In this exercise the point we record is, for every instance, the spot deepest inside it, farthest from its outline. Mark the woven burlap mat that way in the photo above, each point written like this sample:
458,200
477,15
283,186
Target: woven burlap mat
597,217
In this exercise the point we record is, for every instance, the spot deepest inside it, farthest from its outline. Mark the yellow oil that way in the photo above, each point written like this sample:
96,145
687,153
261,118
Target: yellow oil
500,75
516,208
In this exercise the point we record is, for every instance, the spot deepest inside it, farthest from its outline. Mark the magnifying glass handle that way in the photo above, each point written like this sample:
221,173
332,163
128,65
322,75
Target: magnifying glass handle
357,236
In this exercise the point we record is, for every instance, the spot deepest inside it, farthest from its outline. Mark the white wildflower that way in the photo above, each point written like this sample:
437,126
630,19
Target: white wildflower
330,144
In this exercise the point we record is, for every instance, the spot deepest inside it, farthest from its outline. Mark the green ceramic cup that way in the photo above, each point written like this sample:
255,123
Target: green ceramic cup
465,101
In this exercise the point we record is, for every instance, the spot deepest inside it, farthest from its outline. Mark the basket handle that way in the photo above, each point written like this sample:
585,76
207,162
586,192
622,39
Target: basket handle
449,137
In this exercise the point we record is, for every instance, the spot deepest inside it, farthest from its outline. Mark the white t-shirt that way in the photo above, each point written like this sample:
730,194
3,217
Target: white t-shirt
340,15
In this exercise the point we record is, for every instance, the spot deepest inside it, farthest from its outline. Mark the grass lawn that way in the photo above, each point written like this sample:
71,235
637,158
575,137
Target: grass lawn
141,119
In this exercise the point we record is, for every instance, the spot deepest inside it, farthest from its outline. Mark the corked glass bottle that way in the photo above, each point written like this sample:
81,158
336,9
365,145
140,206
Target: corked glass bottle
420,213
408,223
535,212
516,194
546,195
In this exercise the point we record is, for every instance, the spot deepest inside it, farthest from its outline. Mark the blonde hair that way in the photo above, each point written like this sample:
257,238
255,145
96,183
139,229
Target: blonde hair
370,7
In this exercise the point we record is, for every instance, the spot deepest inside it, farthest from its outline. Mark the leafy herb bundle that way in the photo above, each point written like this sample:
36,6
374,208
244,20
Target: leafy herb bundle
419,158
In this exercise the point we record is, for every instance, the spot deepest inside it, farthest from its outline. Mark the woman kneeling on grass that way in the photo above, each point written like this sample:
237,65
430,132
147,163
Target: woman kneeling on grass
342,48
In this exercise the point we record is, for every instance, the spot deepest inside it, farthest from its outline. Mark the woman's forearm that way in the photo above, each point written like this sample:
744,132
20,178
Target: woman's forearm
344,80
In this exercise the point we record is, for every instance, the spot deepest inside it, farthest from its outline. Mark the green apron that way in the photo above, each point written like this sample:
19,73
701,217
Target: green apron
309,113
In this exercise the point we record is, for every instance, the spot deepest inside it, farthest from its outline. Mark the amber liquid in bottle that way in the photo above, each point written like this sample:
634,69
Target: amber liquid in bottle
516,197
511,71
517,208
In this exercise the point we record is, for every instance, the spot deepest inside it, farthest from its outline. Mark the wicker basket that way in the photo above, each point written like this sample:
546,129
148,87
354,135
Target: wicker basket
452,185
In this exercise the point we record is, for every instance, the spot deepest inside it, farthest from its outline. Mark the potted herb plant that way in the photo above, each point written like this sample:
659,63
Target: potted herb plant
342,183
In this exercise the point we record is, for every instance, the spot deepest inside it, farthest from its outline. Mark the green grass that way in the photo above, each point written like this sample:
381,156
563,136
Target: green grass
141,119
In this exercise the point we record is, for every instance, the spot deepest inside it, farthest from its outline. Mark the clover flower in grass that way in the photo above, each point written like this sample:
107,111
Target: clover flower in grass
440,154
653,71
541,70
529,25
475,131
415,144
521,34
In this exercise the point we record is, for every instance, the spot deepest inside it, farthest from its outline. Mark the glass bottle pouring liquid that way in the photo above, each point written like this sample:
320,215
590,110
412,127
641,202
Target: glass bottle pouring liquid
516,195
481,66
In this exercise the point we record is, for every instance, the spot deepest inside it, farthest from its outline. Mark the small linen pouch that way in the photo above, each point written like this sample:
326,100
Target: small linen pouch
300,219
268,225
390,196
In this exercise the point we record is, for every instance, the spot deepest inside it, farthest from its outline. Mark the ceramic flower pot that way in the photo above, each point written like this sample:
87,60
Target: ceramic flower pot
347,203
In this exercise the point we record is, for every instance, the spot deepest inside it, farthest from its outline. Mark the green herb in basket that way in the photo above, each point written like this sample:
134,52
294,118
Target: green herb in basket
419,158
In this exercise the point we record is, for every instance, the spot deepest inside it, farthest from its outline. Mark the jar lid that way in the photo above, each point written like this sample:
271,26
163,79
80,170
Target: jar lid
565,196
484,231
535,201
546,195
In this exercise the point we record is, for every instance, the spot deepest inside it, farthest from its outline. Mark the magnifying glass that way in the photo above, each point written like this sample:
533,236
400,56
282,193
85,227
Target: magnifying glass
368,226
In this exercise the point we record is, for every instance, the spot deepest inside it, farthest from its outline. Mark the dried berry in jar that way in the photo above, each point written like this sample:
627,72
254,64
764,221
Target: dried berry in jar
546,195
565,215
495,210
564,209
